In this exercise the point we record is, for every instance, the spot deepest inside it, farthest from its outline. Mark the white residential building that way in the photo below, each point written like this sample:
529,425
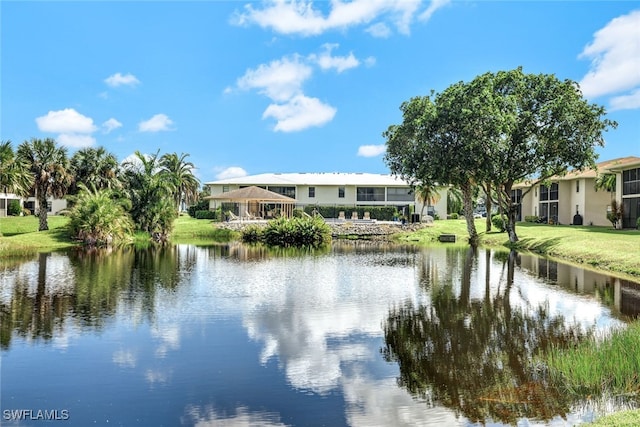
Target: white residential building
335,189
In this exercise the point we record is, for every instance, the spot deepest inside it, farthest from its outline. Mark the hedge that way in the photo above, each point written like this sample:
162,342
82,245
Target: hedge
205,214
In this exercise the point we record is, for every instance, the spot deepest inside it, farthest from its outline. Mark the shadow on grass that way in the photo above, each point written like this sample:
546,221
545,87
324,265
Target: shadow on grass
543,246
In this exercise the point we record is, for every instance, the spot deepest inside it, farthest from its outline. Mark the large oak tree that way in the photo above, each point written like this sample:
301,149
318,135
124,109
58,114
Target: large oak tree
499,129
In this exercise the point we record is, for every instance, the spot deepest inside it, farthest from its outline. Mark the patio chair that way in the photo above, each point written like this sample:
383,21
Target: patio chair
367,216
341,215
354,215
232,217
248,215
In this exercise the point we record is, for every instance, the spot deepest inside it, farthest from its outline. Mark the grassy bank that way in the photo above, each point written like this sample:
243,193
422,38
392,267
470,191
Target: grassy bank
595,366
20,236
199,231
607,367
603,248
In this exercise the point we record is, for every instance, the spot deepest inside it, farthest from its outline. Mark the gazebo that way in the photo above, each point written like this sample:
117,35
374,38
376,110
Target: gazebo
257,203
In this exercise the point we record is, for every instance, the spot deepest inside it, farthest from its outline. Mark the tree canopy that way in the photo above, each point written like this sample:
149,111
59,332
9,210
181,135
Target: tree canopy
49,167
499,129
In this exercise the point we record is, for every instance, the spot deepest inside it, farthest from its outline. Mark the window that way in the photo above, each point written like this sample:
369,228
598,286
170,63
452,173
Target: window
631,181
549,193
285,191
549,202
370,194
312,192
577,186
544,192
225,188
401,194
48,206
553,191
341,192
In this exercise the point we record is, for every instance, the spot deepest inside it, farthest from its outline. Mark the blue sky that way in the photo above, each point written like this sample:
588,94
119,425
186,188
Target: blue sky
277,86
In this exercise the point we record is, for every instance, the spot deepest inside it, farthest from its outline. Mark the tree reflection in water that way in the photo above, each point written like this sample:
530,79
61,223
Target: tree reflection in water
85,287
476,356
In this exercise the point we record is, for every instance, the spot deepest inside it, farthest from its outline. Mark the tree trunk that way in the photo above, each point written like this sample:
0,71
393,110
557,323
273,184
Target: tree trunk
42,210
467,196
511,224
488,206
510,209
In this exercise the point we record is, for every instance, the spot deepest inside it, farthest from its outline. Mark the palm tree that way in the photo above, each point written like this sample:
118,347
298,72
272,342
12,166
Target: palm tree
98,217
454,200
49,167
152,208
607,182
95,168
14,175
179,173
427,195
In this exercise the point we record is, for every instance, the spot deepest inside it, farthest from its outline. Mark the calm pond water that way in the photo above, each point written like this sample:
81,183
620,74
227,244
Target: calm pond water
359,334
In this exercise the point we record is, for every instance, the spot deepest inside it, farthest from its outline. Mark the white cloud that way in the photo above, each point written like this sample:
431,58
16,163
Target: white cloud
299,113
231,172
615,58
371,150
339,63
157,123
379,30
76,140
111,125
65,121
370,61
433,6
625,102
74,129
280,80
300,16
118,79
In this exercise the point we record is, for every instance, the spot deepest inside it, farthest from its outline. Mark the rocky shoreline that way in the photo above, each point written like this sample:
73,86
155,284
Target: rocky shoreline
347,229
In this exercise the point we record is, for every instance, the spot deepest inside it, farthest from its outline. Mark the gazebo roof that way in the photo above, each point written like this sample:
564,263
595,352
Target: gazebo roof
252,193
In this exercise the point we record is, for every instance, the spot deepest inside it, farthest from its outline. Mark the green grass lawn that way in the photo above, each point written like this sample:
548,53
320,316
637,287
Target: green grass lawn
199,231
20,235
603,248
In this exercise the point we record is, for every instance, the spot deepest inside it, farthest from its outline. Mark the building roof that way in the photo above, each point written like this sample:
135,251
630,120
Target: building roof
252,193
608,166
603,167
314,178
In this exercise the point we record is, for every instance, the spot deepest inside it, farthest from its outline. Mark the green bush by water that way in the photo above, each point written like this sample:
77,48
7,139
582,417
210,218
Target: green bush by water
299,232
607,366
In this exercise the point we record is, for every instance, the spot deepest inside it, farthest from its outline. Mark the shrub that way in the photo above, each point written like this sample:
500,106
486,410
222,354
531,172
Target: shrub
531,218
26,212
454,215
498,222
252,234
300,232
202,205
298,213
205,214
638,223
98,218
14,208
